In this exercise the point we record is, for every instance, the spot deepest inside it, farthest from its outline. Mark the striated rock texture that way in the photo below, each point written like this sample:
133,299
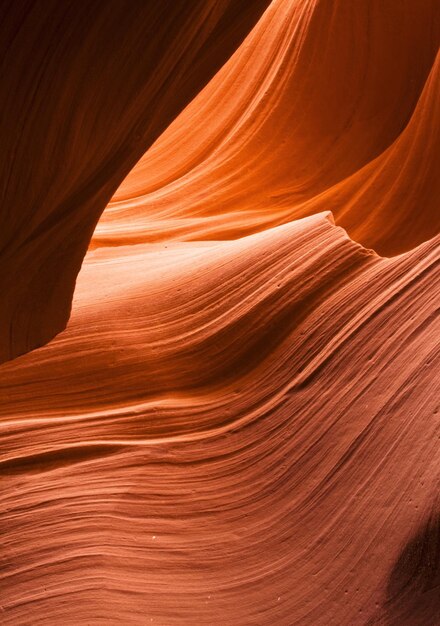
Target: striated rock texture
327,105
240,424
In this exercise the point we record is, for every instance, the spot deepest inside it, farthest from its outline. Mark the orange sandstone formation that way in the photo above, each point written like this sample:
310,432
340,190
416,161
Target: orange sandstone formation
327,105
242,432
240,424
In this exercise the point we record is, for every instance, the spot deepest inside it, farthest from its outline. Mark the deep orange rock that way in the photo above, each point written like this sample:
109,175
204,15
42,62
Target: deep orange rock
327,105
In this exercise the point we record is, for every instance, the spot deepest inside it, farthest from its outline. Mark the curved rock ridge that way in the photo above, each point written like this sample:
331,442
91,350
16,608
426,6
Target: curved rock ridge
314,111
87,87
392,203
240,424
238,432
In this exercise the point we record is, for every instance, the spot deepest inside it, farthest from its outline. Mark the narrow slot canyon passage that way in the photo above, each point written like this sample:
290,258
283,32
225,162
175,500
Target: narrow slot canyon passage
235,421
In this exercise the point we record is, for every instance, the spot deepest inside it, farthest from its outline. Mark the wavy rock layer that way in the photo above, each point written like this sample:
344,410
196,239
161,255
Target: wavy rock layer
327,105
240,424
243,432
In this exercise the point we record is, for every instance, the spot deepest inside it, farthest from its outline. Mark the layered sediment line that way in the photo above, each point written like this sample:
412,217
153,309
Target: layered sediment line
234,432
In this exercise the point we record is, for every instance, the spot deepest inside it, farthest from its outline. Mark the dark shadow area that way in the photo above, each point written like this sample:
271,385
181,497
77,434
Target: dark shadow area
413,590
